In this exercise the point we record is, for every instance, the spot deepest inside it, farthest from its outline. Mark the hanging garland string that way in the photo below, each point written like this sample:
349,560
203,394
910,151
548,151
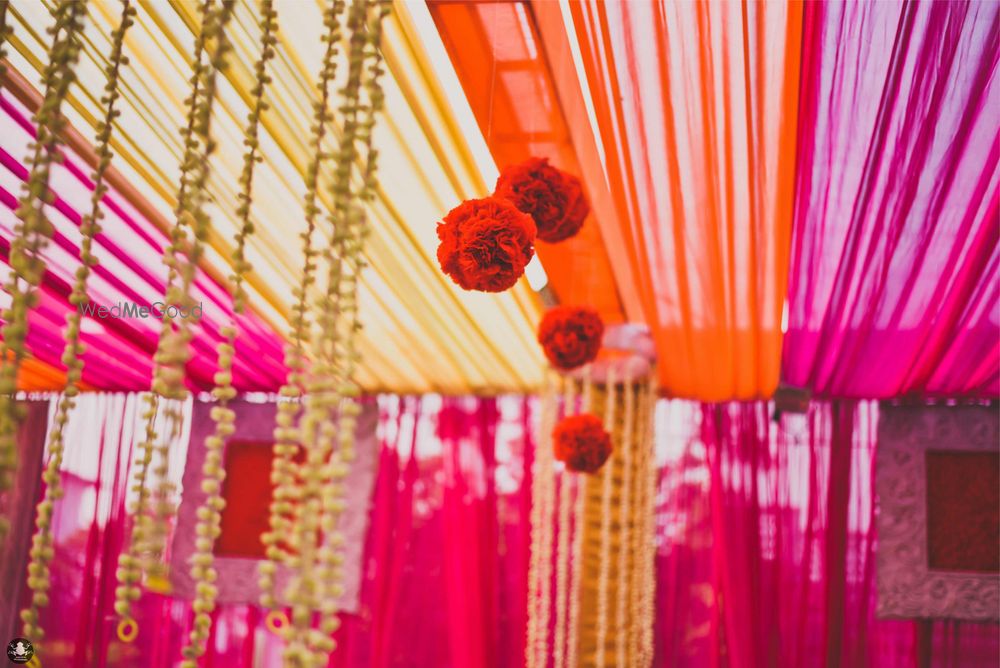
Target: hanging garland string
624,531
41,550
578,521
638,523
539,482
137,556
208,526
284,475
649,534
33,230
562,546
548,513
5,32
181,256
330,554
605,561
331,410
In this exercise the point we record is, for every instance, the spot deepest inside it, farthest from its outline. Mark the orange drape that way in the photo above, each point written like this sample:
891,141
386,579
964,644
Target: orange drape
696,110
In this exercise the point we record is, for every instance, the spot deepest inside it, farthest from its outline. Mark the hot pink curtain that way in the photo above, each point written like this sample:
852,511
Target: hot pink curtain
444,576
767,545
894,285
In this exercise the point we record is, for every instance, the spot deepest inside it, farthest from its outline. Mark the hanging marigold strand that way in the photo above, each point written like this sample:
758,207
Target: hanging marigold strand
41,550
138,554
562,545
605,563
33,230
282,511
181,257
625,532
208,526
638,524
579,508
547,478
534,565
649,534
330,555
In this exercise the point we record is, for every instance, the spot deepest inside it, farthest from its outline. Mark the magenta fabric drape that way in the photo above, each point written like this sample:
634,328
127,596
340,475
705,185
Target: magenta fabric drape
119,351
894,281
767,546
445,567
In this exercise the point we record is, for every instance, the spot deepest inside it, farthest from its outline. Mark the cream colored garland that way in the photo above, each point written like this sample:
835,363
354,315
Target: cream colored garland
648,589
639,525
213,472
284,473
605,561
330,554
328,423
537,650
33,232
539,482
181,257
625,531
41,552
562,549
577,552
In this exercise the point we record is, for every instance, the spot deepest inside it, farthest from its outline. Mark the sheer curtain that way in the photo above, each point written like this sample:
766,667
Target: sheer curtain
766,545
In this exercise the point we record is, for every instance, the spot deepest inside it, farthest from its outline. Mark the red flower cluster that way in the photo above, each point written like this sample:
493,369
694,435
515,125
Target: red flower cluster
485,244
582,443
570,336
552,197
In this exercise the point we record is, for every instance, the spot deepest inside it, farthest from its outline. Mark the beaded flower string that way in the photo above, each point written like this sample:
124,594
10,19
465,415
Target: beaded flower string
563,544
316,584
648,552
337,468
33,231
547,502
624,530
41,549
605,562
208,526
284,472
576,555
539,480
181,257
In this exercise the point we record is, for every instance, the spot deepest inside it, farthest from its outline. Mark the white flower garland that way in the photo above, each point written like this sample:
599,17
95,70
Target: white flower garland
605,561
624,530
208,525
562,549
31,235
41,552
576,557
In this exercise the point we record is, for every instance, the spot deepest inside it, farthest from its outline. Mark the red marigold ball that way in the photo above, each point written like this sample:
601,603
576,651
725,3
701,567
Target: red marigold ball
485,244
552,197
570,336
581,442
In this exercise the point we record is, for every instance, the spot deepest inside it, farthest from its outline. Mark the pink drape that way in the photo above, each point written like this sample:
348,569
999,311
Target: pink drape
445,566
765,540
895,276
767,546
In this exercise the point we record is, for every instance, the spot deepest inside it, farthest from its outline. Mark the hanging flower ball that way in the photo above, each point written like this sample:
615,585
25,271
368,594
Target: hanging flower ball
485,244
570,336
581,442
552,197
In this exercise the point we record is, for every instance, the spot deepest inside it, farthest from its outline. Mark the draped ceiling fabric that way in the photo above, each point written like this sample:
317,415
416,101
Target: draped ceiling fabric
421,332
895,269
880,203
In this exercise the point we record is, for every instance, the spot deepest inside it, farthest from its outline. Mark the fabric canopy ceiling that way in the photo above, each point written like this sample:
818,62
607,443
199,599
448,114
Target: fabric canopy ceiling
421,333
828,169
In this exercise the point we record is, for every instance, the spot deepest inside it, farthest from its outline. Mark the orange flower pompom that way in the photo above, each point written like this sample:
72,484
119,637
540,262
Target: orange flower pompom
553,198
485,244
570,336
581,442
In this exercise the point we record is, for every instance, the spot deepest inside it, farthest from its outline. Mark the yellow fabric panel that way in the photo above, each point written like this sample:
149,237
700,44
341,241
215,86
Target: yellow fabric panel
422,333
